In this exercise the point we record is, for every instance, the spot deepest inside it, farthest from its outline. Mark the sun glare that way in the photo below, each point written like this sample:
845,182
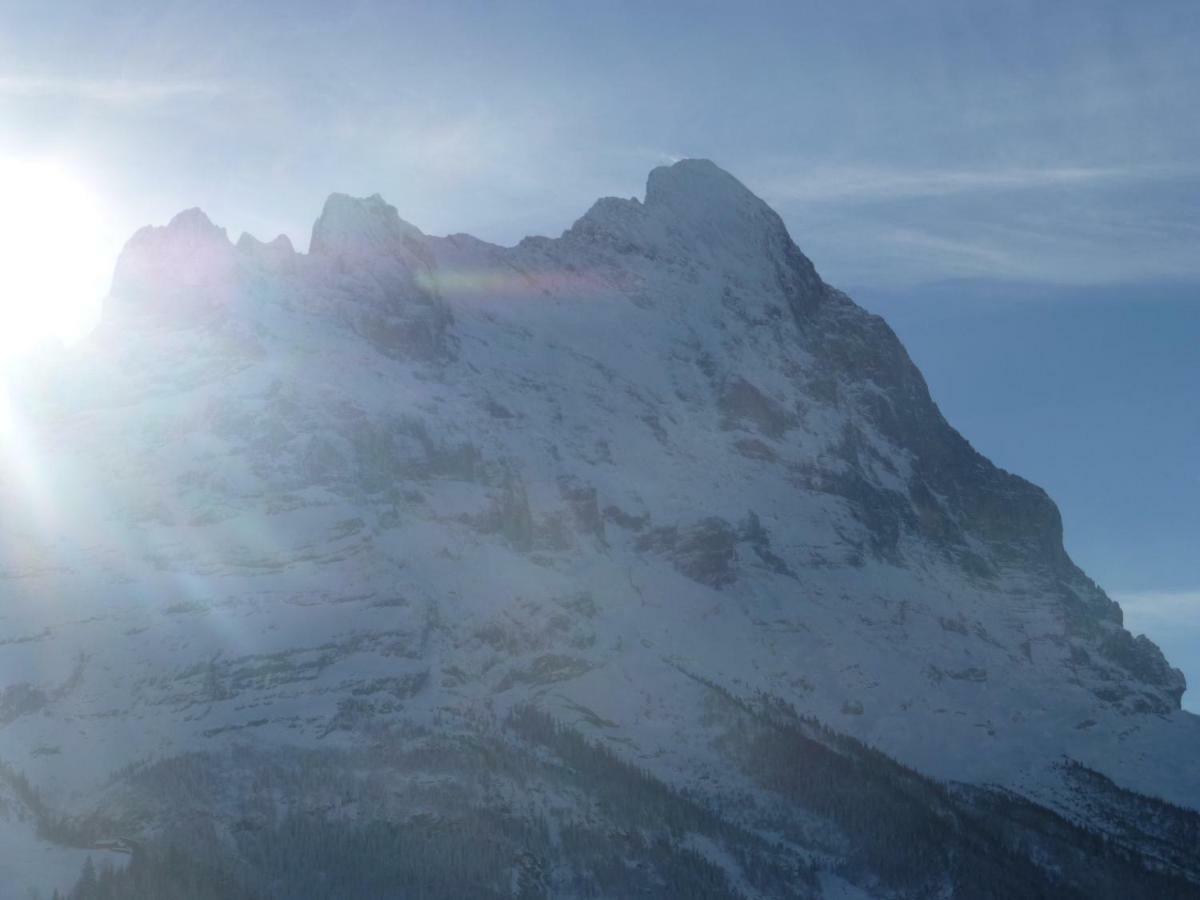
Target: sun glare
54,262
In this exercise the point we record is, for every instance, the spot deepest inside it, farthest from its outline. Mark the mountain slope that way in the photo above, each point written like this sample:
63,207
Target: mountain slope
403,486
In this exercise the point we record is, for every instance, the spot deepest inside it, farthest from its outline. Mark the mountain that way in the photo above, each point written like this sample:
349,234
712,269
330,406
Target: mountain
635,561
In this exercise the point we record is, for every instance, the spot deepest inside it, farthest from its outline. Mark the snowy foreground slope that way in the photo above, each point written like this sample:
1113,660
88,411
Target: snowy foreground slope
410,530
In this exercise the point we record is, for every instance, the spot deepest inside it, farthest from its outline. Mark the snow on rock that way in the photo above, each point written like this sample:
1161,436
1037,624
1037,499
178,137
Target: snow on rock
172,270
403,479
356,227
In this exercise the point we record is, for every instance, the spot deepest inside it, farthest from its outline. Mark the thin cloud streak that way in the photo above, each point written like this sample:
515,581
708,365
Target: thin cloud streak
117,92
1165,606
875,184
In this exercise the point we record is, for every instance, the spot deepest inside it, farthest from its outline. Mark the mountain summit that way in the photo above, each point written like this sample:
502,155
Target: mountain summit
638,560
359,227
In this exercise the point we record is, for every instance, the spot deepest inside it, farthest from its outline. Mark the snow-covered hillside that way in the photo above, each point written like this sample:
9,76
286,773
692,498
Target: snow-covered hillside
404,486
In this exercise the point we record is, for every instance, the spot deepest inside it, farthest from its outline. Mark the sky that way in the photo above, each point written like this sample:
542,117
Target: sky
1091,392
902,142
1016,186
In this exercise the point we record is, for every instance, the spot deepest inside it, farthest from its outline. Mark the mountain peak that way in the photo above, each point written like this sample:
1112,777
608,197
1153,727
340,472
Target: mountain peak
194,221
700,193
188,254
694,208
359,226
695,181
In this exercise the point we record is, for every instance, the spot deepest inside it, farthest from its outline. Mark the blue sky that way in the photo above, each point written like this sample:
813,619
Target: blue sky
901,141
1015,185
1091,392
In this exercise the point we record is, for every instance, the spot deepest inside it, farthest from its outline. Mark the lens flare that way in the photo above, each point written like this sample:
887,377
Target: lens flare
55,259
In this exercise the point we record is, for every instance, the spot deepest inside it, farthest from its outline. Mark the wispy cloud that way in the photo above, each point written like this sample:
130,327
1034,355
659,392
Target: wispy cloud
977,253
874,184
876,225
117,92
1170,607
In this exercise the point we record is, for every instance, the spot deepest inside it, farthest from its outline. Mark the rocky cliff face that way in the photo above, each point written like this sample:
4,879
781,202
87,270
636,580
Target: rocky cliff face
404,486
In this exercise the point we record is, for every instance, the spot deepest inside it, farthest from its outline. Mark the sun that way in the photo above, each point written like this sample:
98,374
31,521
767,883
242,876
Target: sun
54,260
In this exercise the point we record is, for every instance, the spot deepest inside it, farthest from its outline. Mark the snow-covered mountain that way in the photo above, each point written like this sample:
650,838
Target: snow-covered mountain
389,510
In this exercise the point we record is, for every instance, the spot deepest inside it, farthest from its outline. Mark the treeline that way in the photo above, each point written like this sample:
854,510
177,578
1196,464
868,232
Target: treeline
533,809
919,837
1168,832
153,873
424,858
613,830
626,794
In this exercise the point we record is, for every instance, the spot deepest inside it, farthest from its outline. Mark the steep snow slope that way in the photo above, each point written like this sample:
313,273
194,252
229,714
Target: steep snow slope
297,500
